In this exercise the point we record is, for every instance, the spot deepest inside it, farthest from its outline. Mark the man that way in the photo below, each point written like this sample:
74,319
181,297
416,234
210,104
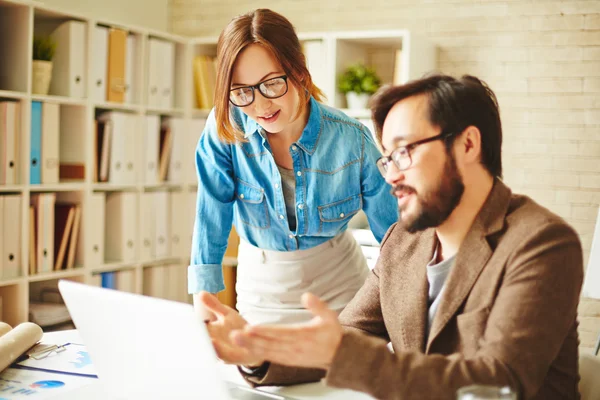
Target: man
474,284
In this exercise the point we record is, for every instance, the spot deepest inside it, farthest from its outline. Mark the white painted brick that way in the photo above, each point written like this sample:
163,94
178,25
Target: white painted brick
551,179
591,85
554,8
589,133
576,164
591,53
592,117
577,197
544,54
592,21
564,211
531,162
583,69
584,227
557,22
563,117
584,213
590,149
590,181
557,101
508,85
514,116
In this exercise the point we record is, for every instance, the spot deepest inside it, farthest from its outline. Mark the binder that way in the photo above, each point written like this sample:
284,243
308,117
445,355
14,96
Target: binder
178,131
121,143
99,67
68,71
125,280
32,241
167,74
165,151
147,226
117,49
162,211
181,224
151,149
189,156
120,230
10,128
130,64
44,207
92,236
108,280
35,170
50,142
11,224
154,68
156,282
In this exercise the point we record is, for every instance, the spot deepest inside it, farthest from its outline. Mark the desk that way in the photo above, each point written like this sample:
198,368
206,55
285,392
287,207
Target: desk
311,391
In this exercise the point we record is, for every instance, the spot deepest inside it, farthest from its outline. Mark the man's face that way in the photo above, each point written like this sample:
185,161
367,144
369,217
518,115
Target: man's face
431,188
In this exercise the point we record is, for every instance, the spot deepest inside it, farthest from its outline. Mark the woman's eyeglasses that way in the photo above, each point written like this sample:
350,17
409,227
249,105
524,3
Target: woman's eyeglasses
272,88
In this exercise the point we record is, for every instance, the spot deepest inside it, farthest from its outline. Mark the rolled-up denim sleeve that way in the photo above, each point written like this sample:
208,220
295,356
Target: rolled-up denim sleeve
379,205
214,211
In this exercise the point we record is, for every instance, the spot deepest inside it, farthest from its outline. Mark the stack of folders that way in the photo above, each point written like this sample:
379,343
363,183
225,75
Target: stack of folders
10,235
53,233
205,73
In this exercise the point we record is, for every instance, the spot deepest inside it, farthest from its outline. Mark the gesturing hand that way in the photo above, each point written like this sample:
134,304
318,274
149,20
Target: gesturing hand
311,344
226,320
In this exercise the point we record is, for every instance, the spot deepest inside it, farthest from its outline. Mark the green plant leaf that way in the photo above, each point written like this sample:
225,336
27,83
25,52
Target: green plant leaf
360,79
44,48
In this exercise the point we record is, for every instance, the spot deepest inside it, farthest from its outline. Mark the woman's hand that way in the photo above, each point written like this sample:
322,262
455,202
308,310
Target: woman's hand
224,320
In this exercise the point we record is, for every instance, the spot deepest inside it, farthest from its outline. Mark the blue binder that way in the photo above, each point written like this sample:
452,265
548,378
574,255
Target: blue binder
108,280
35,176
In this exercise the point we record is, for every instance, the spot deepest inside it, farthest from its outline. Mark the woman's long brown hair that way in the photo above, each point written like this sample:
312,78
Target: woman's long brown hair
276,34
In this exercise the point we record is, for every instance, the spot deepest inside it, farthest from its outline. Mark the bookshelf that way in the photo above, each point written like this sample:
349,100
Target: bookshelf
132,224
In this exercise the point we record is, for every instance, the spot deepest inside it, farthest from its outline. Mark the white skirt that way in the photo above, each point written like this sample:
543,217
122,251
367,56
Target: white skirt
271,283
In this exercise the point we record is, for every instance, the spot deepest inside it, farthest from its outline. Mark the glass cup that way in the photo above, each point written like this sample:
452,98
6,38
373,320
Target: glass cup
485,392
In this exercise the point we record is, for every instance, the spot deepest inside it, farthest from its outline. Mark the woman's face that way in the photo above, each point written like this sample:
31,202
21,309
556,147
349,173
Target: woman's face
254,65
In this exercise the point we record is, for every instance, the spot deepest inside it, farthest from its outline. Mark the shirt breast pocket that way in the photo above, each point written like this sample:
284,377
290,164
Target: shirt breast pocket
252,205
334,215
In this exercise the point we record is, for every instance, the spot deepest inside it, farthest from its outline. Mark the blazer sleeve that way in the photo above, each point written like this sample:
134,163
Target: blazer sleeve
532,314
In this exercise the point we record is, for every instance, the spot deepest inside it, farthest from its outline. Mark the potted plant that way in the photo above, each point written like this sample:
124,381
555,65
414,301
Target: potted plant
358,83
44,48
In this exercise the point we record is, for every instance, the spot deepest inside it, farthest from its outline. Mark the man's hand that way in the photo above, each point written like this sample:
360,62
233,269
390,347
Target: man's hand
312,344
225,320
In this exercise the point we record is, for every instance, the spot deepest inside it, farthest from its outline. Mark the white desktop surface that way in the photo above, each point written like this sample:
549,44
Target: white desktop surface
317,390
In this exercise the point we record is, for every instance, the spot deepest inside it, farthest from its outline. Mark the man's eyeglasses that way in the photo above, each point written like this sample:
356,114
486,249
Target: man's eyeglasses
401,155
272,88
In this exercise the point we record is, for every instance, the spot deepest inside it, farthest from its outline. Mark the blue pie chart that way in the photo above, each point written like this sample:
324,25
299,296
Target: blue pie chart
47,384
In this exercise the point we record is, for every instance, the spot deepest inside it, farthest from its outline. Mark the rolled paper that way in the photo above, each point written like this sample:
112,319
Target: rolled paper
16,342
4,328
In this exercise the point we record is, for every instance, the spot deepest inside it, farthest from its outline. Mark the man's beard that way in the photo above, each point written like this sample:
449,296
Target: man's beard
435,207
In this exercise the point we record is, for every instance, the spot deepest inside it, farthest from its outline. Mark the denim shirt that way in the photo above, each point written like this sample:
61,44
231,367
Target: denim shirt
239,184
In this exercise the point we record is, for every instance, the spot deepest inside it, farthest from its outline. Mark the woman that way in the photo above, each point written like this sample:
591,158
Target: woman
288,172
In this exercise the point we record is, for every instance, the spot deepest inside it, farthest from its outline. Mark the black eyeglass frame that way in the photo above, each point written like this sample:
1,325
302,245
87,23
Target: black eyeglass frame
257,86
396,154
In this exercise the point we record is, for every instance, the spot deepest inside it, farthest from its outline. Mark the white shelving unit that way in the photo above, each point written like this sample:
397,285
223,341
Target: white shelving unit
20,21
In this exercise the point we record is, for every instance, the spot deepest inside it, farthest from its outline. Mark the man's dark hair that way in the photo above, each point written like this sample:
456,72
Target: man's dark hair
454,104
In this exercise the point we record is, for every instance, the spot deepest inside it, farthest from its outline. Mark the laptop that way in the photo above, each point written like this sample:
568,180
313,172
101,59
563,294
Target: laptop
148,348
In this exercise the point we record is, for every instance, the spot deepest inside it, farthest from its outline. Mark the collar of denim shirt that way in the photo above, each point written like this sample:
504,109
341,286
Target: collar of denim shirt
310,135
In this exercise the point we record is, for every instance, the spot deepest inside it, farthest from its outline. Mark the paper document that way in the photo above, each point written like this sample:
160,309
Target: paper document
73,360
28,384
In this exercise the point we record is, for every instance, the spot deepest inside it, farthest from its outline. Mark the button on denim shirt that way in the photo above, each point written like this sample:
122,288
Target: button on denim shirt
336,176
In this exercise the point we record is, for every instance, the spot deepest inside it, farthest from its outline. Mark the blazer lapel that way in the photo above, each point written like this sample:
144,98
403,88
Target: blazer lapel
472,257
412,291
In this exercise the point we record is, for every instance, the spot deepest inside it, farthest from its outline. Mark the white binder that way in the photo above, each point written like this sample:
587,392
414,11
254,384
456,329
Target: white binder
44,205
99,63
189,152
156,282
181,224
162,211
11,236
177,277
178,139
68,70
122,128
9,137
167,74
147,226
154,72
72,140
126,280
91,228
130,63
120,229
150,152
50,142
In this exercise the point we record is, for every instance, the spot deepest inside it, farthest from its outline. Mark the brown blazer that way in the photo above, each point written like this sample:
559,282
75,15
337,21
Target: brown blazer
508,313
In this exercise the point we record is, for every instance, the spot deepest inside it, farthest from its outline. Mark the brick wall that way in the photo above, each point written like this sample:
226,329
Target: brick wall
542,58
